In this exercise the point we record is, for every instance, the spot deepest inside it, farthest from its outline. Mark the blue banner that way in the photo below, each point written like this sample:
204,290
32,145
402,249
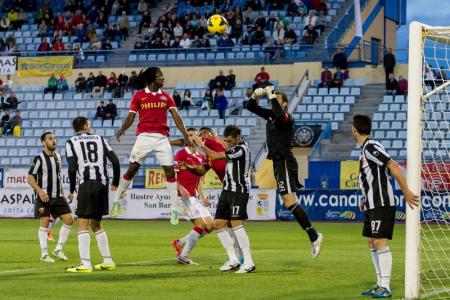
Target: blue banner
343,206
2,172
323,175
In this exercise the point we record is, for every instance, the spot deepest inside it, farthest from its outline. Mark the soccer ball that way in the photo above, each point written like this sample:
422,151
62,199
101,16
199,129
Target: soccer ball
217,24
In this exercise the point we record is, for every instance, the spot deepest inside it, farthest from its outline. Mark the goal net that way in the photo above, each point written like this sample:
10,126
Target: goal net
428,232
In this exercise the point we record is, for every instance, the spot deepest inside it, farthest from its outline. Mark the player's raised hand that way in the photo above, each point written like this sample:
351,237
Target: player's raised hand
119,134
270,91
411,199
258,93
43,196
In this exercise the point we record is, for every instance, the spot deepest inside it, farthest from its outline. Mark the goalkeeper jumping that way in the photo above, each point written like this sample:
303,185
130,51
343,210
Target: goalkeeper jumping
279,133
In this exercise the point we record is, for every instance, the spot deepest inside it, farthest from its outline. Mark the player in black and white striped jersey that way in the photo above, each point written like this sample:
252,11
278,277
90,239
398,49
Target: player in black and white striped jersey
87,154
379,203
44,177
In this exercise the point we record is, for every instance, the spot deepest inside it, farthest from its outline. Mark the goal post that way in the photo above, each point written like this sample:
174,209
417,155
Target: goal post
414,161
427,246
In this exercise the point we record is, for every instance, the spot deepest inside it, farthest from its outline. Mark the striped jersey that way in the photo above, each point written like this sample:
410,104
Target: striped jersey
237,170
47,173
373,175
90,152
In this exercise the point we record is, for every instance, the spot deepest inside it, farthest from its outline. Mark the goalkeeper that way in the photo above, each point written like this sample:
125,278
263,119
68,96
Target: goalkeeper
279,133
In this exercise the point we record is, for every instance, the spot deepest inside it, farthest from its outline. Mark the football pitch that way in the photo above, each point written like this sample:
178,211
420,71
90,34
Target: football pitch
147,269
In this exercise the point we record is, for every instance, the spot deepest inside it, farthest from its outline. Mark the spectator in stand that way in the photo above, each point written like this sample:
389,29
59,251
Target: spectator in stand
62,83
112,33
321,22
230,83
248,96
145,21
248,36
80,83
95,43
10,39
429,77
271,52
402,88
338,78
102,20
5,24
90,82
310,35
123,84
4,103
261,20
157,44
225,41
258,37
80,33
178,30
322,7
187,100
196,43
7,85
205,42
106,45
272,22
290,37
15,121
389,63
111,112
100,84
58,45
261,78
186,42
93,14
4,122
311,19
115,8
142,6
340,60
275,4
279,33
255,4
221,103
236,31
124,26
391,85
292,9
139,45
134,82
101,111
44,46
42,29
302,9
326,78
219,81
13,17
249,16
52,85
13,101
112,83
207,100
176,98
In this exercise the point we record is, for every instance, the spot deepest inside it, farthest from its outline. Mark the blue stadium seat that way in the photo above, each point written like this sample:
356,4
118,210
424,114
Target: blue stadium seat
190,56
181,56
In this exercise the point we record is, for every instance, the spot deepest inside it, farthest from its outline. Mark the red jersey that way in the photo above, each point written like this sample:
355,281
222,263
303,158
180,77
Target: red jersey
186,178
219,165
152,109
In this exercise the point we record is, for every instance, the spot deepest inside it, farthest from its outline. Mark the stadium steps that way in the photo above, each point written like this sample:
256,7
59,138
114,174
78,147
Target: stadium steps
342,142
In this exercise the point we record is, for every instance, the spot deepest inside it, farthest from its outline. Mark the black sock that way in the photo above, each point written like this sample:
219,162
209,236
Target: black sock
302,219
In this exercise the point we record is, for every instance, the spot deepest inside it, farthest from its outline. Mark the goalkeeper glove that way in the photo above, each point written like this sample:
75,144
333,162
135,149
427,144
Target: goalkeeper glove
270,92
258,93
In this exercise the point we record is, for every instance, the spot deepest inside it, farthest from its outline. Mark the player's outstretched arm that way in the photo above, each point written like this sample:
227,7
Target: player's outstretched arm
252,104
126,124
178,142
410,197
180,125
199,170
276,107
213,155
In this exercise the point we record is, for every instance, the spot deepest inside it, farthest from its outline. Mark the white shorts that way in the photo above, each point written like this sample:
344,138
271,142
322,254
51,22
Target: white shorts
147,143
194,209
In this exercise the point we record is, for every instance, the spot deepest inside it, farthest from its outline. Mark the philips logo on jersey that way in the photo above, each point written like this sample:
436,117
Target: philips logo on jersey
153,105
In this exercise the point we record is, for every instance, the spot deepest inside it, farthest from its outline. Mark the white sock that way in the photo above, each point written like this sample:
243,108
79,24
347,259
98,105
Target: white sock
173,194
385,262
182,241
102,242
376,264
192,239
244,244
237,249
123,186
63,236
227,243
84,244
42,234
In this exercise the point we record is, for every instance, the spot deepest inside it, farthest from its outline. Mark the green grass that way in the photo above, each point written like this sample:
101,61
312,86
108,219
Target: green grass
147,268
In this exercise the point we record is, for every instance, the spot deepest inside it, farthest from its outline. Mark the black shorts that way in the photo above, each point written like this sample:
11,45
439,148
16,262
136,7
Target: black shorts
92,200
379,222
55,207
286,175
232,206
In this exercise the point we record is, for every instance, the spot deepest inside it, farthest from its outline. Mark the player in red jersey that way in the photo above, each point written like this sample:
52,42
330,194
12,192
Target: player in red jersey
152,131
188,185
213,142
